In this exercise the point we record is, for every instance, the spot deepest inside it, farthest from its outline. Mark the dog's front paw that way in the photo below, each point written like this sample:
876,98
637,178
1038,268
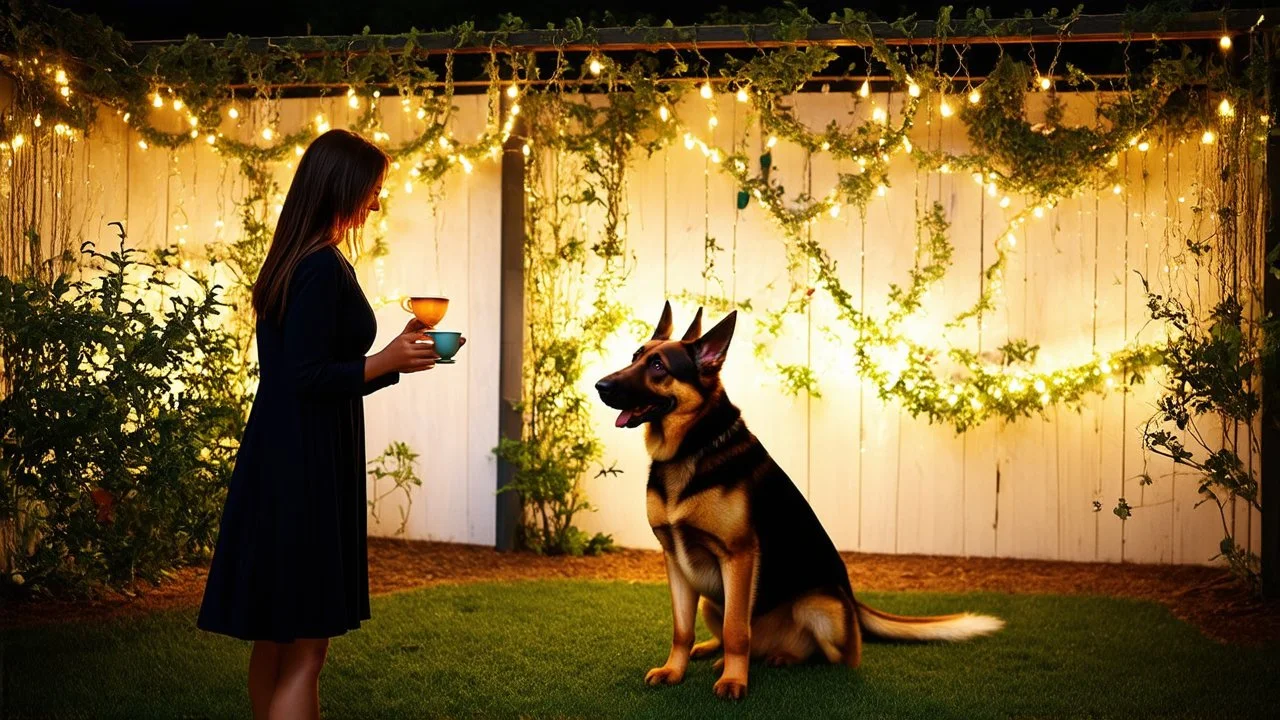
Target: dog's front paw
731,689
664,676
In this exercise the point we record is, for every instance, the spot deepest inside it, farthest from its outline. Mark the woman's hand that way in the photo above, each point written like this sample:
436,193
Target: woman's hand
414,325
409,353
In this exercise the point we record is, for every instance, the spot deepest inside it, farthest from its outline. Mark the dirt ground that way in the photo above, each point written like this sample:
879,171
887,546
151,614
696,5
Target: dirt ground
1206,597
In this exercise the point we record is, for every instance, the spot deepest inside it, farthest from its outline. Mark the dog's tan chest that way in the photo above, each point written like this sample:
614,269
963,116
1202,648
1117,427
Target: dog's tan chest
701,530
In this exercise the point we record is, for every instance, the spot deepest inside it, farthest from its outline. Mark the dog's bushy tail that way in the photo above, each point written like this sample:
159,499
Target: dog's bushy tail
947,628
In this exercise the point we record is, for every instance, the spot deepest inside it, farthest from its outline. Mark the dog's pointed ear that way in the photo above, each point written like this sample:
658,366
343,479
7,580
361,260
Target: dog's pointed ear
710,349
695,328
663,331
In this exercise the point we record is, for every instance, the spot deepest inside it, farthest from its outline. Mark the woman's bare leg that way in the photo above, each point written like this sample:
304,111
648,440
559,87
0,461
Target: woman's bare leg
264,666
297,693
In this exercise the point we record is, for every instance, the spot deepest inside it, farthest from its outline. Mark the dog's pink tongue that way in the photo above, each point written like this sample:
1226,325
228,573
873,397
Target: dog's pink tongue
624,417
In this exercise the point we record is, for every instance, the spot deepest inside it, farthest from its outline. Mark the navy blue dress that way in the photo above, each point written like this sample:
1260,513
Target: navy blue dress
290,560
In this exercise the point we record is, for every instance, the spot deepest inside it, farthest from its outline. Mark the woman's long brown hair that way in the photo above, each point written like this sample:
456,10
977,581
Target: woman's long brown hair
335,181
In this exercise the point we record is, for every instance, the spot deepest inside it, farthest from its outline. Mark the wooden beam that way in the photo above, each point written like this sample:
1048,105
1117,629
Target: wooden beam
1269,442
511,330
1086,29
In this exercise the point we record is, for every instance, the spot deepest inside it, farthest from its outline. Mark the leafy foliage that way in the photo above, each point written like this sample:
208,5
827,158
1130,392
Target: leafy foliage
121,414
398,463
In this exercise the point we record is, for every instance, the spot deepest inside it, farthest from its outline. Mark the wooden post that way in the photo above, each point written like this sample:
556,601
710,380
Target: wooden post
511,332
1270,441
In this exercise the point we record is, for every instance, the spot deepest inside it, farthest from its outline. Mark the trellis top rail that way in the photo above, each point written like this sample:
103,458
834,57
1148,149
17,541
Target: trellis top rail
1086,28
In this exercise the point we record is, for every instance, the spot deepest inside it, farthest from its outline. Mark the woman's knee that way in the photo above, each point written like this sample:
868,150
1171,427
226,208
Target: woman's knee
305,656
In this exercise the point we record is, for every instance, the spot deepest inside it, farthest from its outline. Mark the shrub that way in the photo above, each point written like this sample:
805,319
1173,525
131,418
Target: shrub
120,415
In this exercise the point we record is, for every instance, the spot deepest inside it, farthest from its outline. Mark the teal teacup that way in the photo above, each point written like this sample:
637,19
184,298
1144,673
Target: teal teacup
447,344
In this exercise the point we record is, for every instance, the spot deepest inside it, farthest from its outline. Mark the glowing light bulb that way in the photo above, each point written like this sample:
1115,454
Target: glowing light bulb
515,109
1225,109
60,77
705,91
142,144
596,67
1116,189
39,120
1144,146
975,97
1011,239
913,89
18,141
1224,42
945,109
906,144
525,150
268,133
192,121
422,113
688,141
297,150
881,190
1038,212
864,90
879,115
210,139
64,91
835,210
1039,385
1045,83
513,91
664,113
177,104
466,164
715,156
127,116
157,101
1004,201
1208,137
773,140
195,134
233,113
742,95
712,121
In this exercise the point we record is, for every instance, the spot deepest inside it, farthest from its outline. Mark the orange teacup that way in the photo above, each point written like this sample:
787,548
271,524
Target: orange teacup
429,310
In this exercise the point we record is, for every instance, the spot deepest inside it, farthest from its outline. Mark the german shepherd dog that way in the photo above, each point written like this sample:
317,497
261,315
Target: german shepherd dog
735,531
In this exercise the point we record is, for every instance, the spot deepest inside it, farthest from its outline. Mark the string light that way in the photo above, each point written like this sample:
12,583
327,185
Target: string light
742,95
773,140
664,113
39,120
596,66
60,77
705,90
975,97
177,104
268,133
1004,201
712,121
1208,137
879,115
688,141
1224,42
18,141
945,109
1045,83
210,139
157,101
1117,189
142,144
512,91
233,113
1144,146
864,90
297,150
913,89
1225,109
322,125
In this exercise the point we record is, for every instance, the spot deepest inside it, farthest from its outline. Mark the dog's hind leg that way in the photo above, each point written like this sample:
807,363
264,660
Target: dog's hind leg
826,620
714,619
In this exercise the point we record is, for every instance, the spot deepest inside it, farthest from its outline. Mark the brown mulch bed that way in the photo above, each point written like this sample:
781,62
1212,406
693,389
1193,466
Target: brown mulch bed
1206,597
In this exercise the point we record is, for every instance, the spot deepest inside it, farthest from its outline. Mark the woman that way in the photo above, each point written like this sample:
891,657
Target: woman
290,569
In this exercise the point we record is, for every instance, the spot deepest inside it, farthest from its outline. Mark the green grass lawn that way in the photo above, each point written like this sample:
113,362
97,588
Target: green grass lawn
580,649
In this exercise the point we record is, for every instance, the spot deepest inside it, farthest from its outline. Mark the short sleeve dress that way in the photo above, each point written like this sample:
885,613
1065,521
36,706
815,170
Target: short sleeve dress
290,559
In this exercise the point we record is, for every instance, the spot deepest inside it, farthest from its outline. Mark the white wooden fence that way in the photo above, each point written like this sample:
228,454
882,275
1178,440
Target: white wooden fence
880,480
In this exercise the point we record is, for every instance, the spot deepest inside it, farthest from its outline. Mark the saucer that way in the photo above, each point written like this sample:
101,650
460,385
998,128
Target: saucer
446,362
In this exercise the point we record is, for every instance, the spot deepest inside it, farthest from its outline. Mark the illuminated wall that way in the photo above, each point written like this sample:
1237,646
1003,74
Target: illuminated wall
880,480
